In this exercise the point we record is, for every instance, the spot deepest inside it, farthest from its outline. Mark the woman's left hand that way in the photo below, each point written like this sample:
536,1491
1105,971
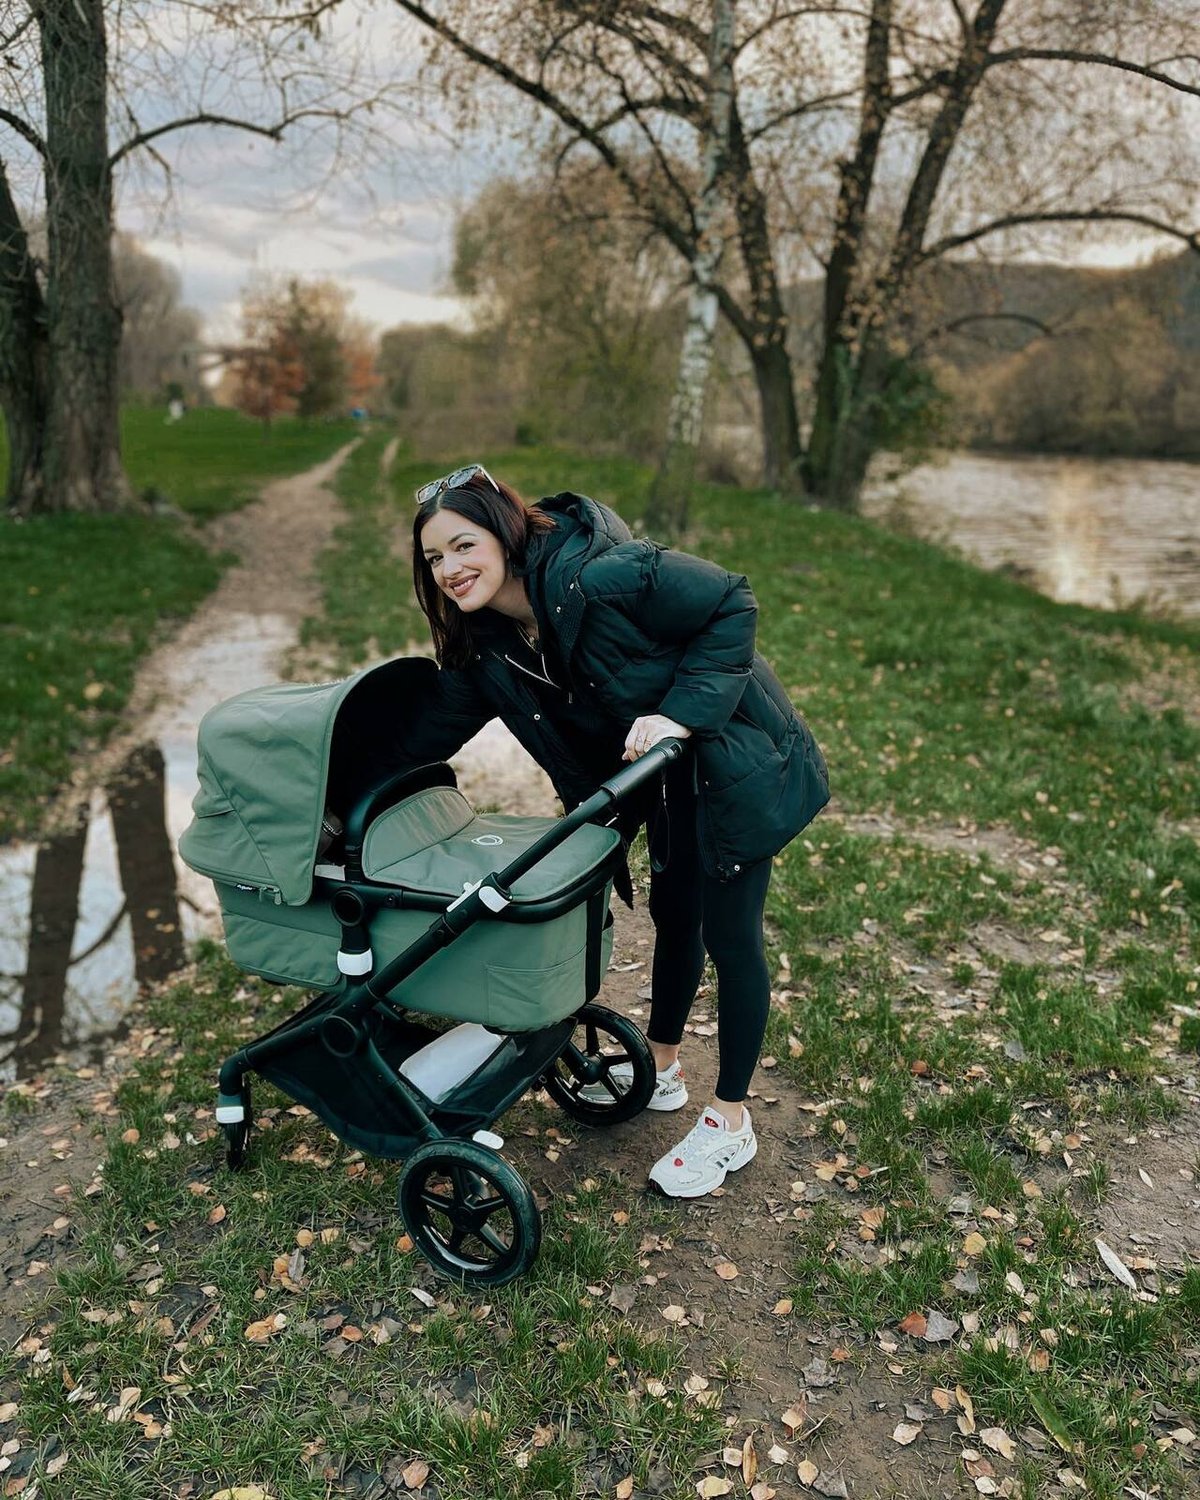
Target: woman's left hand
648,730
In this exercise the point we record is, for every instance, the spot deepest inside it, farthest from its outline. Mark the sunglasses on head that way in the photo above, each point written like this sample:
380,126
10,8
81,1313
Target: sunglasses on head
436,487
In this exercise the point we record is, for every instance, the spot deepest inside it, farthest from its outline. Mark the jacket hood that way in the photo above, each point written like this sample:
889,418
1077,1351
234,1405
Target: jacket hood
583,530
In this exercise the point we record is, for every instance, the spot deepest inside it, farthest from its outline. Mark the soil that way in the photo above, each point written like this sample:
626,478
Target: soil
855,1391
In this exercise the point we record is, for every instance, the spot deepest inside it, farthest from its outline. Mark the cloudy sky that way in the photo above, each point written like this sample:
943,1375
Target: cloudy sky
376,211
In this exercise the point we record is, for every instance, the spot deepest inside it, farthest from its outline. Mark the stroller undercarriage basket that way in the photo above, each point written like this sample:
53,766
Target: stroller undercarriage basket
498,922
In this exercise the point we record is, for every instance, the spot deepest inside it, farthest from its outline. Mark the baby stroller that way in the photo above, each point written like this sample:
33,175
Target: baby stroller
500,923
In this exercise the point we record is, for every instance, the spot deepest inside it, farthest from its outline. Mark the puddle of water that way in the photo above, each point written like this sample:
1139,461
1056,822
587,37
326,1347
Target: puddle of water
92,914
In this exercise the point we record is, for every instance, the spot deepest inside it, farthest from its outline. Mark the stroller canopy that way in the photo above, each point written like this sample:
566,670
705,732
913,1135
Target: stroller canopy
265,762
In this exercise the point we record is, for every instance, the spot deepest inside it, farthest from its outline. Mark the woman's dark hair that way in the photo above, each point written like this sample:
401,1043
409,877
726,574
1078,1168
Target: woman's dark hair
500,511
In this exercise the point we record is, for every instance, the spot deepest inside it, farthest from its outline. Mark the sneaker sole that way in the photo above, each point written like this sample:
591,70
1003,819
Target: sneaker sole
594,1094
717,1179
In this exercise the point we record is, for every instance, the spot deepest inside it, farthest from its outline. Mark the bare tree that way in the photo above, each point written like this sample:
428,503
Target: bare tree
59,347
867,142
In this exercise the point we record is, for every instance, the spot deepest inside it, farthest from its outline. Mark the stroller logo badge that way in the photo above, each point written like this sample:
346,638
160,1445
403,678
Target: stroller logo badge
490,839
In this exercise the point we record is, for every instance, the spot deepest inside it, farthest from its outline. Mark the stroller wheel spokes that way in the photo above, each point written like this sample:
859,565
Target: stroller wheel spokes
469,1212
605,1073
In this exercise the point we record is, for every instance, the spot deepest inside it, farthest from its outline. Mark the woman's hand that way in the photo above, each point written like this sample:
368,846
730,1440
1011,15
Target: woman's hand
648,730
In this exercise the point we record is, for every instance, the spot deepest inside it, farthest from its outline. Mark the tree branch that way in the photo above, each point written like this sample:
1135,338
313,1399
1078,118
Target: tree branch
1191,238
1097,59
204,117
533,89
25,130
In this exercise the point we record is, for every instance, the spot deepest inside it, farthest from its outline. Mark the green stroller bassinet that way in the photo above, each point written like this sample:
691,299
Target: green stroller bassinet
265,760
498,922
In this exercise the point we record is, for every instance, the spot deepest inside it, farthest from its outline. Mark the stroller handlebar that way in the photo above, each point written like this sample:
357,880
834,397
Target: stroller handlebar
656,759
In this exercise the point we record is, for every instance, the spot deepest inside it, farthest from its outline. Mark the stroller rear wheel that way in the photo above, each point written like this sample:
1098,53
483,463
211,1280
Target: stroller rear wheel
605,1073
469,1212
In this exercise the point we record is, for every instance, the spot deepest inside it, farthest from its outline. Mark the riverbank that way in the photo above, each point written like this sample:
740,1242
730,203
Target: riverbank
981,1069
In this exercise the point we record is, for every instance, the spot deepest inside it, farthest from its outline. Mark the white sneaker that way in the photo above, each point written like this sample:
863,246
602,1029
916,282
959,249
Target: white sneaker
706,1154
670,1091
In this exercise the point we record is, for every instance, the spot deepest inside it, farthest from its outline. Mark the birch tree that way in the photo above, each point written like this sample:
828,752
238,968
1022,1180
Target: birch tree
668,508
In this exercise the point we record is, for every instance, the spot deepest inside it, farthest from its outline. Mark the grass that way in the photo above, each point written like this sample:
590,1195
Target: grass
530,1391
82,598
981,1001
950,700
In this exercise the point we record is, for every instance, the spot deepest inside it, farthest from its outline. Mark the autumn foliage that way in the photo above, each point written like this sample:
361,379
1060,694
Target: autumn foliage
301,353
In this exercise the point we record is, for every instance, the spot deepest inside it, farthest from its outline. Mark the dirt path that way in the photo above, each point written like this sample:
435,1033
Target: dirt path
237,637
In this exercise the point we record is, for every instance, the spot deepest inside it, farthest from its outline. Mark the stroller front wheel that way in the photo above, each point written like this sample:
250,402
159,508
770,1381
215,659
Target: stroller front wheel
469,1212
605,1073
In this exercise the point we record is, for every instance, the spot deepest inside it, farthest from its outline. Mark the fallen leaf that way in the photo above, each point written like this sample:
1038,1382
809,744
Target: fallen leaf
966,1422
1117,1266
712,1485
761,1491
1051,1420
778,1455
974,1244
907,1432
261,1331
726,1270
304,1238
694,1384
806,1472
243,1492
942,1398
782,1307
998,1441
795,1417
625,1488
749,1461
1146,1178
415,1474
217,1214
129,1398
622,1297
132,1136
914,1324
674,1313
940,1328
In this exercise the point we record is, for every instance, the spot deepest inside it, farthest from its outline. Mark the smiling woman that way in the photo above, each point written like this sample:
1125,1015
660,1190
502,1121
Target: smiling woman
592,647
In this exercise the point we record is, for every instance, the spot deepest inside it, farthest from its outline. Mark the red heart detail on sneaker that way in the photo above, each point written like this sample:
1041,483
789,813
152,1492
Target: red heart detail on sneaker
679,1161
708,1120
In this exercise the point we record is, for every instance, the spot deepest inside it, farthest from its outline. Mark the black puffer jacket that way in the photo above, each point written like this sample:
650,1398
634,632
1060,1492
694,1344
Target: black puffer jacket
641,629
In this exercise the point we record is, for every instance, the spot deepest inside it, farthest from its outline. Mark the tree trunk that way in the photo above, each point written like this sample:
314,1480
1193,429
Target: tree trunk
667,511
83,448
777,414
22,358
845,423
764,332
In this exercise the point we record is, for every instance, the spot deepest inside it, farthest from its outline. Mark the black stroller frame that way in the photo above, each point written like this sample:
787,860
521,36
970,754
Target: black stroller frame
466,1208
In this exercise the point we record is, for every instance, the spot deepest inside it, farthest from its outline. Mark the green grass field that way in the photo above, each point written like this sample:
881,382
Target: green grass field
978,950
82,598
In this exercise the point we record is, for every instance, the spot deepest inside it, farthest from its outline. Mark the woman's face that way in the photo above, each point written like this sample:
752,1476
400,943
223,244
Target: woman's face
467,561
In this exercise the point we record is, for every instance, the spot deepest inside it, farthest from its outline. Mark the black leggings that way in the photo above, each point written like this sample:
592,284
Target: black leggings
694,913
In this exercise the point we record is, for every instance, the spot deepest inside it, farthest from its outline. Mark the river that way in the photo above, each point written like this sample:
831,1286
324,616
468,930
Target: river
1105,532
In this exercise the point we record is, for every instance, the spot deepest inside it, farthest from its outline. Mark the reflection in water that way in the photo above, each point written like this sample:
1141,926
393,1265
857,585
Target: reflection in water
94,915
1104,532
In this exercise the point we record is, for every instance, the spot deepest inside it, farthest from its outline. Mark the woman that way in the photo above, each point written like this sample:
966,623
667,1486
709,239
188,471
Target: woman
591,647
